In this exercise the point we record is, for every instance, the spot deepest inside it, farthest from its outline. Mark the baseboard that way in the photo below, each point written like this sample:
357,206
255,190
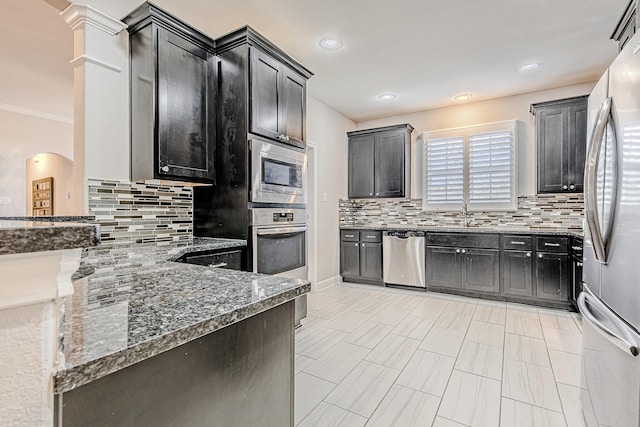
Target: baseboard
323,284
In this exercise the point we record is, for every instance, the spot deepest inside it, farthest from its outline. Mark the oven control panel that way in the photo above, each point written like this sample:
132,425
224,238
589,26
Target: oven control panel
283,217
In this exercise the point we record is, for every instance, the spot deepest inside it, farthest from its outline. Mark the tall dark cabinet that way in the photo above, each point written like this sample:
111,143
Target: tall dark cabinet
561,141
379,163
261,90
173,93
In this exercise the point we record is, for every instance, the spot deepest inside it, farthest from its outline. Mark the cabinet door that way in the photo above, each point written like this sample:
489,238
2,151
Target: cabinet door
443,267
293,107
389,164
482,270
552,276
186,117
577,146
553,156
371,260
516,274
349,259
361,166
265,95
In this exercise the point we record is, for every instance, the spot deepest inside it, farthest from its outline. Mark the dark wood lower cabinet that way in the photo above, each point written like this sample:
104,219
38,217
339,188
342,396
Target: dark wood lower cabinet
516,274
361,256
443,267
371,260
552,276
482,270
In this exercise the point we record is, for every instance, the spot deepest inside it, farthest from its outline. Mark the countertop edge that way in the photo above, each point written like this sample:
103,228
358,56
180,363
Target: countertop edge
22,238
69,379
484,230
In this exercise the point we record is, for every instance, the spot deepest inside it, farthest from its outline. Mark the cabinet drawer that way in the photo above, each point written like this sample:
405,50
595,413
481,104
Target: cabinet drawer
552,244
349,235
371,236
231,259
464,240
513,242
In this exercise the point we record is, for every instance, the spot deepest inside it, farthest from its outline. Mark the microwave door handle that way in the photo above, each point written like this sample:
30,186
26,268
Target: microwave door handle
287,230
627,344
590,181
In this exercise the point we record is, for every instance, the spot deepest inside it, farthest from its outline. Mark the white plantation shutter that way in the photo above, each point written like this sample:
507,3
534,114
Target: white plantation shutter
474,165
490,167
445,171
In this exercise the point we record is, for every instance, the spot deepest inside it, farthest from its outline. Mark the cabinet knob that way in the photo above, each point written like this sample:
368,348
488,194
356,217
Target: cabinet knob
572,187
377,194
356,244
280,137
539,255
371,194
464,251
457,251
528,254
564,187
165,169
362,245
579,264
286,138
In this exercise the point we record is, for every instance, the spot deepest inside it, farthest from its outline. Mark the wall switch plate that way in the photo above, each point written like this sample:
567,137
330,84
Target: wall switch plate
5,200
324,197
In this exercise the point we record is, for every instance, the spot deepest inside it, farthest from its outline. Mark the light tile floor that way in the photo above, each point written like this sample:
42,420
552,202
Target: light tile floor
374,356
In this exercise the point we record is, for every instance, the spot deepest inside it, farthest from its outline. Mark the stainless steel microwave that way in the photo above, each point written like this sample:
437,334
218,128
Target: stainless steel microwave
278,173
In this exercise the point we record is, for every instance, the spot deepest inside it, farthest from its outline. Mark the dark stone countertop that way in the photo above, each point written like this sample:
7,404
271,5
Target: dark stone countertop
471,229
137,303
38,236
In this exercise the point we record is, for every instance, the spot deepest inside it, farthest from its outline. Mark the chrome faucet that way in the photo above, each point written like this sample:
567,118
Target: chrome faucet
465,213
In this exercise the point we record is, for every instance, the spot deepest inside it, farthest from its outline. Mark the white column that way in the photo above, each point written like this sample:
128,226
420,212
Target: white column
31,289
101,99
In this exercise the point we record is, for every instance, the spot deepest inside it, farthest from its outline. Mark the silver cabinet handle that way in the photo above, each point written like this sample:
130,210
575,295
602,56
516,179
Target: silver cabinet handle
165,168
286,138
218,265
579,264
371,194
564,187
572,187
555,245
576,248
371,237
377,194
625,343
357,244
516,243
528,254
457,251
464,251
598,237
539,255
350,235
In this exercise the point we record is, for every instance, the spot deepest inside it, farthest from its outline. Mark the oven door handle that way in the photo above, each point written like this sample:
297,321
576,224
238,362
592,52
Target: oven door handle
286,230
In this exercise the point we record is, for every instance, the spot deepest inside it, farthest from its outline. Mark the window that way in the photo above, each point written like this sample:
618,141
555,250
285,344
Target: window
473,165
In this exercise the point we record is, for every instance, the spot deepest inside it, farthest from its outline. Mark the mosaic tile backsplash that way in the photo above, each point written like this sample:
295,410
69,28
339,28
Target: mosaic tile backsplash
544,211
141,212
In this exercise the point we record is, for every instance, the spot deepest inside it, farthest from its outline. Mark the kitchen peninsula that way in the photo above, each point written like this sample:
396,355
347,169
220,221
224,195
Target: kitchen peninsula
151,341
147,340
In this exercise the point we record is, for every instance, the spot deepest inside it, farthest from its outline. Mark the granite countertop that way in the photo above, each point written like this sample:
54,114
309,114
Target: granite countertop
471,229
37,236
137,303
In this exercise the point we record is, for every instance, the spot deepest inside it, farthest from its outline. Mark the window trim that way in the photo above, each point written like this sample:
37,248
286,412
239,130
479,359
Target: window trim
512,126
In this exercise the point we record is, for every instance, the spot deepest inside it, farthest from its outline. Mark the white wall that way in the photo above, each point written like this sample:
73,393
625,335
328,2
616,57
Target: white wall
509,108
23,136
328,130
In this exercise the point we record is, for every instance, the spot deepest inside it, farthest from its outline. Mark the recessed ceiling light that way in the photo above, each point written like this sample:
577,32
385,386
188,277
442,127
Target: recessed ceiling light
463,97
387,96
529,67
330,43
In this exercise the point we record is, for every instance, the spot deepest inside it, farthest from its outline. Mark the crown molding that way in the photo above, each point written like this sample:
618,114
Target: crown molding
79,15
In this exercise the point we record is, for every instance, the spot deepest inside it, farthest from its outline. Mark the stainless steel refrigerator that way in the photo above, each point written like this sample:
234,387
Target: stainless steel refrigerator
610,303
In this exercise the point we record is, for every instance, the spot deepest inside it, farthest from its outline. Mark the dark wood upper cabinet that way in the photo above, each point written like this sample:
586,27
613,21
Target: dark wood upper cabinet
561,142
380,162
173,98
276,86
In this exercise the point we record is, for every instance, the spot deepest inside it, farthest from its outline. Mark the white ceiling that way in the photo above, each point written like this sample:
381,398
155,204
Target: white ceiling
424,51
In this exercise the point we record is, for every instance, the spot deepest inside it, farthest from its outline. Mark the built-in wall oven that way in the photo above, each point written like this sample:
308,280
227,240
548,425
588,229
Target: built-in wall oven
278,173
279,246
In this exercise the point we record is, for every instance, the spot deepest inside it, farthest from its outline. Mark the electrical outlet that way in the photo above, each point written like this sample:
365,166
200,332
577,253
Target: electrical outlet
5,200
324,197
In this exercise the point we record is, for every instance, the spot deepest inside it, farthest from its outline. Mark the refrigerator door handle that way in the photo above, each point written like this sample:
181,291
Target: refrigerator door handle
600,239
627,343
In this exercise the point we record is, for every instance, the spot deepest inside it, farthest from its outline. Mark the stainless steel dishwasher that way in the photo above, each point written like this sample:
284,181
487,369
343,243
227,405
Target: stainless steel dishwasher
403,258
